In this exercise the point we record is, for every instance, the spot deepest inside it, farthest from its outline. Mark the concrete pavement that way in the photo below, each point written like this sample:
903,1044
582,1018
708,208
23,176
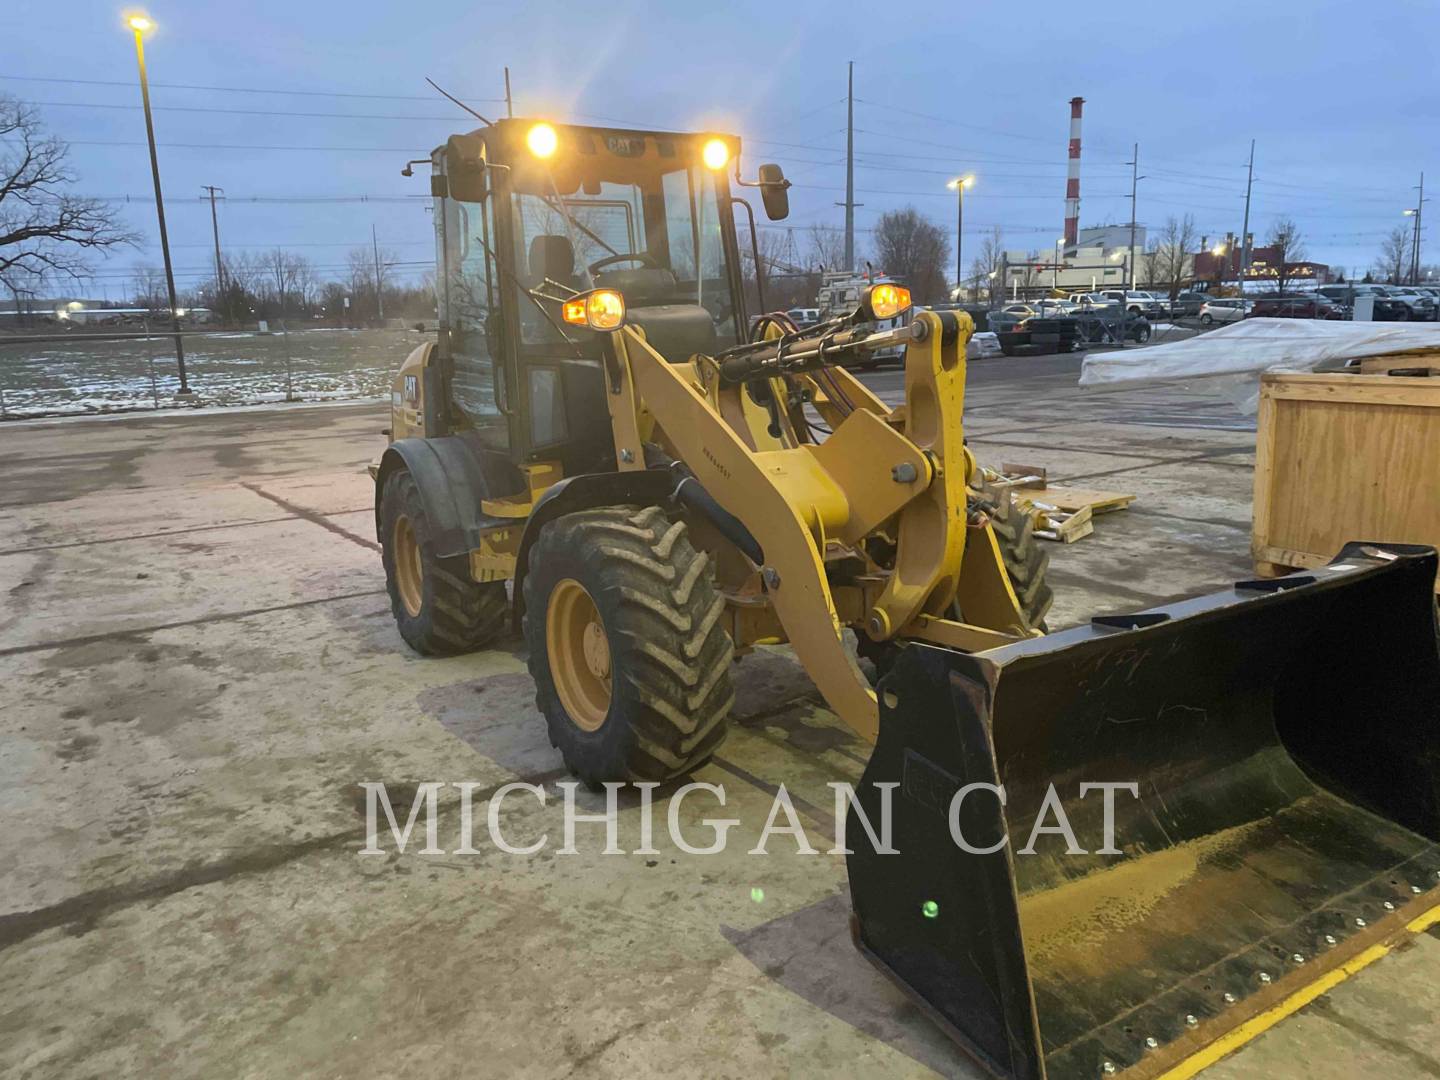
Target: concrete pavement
200,669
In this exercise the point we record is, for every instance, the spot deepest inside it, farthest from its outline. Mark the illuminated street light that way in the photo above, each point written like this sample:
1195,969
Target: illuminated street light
958,185
141,24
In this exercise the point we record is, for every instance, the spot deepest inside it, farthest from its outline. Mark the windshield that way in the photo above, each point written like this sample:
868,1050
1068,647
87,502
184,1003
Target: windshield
654,233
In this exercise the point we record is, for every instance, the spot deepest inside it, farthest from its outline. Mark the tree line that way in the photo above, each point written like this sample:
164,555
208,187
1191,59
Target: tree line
279,285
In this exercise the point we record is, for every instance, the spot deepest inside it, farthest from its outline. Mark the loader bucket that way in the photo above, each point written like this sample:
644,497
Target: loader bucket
1283,738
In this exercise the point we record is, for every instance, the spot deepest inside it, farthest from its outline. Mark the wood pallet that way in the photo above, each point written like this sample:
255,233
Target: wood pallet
1062,513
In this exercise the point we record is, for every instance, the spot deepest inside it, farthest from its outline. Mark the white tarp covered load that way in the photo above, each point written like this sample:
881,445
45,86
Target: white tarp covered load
1243,350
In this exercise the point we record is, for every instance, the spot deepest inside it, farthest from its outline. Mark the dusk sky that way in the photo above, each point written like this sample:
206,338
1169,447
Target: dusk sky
306,107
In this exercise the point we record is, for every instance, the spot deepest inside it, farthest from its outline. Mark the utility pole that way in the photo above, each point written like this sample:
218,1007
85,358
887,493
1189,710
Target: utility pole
379,295
849,203
1245,229
509,104
1415,252
1134,164
215,231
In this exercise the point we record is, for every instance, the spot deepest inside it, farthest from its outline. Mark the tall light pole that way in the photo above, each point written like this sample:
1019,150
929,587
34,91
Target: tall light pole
1055,269
958,185
141,24
1417,214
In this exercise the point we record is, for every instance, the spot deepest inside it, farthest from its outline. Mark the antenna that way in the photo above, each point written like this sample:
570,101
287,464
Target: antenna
457,101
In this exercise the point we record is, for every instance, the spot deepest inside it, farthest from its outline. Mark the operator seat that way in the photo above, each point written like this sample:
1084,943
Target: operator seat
552,257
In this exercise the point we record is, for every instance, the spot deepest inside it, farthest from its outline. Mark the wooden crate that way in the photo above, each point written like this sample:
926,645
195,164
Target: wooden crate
1344,457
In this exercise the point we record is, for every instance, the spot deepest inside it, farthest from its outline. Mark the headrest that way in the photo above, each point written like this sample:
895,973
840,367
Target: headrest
552,256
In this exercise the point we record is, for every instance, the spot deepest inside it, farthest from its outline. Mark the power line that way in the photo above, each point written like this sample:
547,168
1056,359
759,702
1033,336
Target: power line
246,89
238,112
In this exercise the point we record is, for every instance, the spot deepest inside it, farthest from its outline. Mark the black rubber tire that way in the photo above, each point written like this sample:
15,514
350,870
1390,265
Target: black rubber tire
457,614
670,655
1026,561
1207,319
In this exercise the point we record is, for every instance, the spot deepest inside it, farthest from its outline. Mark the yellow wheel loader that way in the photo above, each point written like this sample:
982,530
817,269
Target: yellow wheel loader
603,446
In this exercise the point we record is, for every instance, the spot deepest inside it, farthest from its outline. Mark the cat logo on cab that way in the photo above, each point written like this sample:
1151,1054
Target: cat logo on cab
412,388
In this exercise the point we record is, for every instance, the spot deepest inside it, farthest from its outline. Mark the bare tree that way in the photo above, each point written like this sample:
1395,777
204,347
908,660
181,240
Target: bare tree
283,274
985,269
786,284
826,247
913,248
1394,254
44,230
1289,248
369,274
147,289
1173,262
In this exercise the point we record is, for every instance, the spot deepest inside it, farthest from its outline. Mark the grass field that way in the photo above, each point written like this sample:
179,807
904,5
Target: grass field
79,375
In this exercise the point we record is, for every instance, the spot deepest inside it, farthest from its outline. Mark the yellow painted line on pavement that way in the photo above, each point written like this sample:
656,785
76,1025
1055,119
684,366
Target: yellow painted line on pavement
1258,1025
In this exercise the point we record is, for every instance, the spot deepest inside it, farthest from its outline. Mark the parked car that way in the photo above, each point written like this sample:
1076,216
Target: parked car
1388,308
1137,302
1421,307
1040,334
1188,304
1296,307
1012,313
1099,326
804,317
1224,310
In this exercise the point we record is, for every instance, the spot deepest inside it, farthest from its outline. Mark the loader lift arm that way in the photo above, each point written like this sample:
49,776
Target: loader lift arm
799,498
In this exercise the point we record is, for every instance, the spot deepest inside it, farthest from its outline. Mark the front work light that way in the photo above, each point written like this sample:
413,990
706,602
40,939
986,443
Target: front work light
715,154
885,301
599,309
542,140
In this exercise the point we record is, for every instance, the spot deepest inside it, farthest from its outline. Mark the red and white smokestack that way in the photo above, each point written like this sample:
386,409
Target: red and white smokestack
1072,177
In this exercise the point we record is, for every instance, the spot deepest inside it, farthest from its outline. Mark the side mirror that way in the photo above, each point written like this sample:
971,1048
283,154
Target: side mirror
775,192
466,170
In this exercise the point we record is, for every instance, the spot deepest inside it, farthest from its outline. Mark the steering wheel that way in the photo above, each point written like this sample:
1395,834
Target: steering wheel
610,260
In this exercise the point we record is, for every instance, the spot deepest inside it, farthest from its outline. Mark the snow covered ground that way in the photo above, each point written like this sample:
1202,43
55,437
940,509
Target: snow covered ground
80,376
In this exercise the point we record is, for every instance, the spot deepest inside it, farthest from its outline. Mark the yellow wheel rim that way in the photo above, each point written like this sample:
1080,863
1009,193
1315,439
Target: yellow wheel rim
579,651
409,573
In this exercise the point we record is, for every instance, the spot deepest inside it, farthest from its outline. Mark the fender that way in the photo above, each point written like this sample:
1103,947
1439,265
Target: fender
643,487
452,477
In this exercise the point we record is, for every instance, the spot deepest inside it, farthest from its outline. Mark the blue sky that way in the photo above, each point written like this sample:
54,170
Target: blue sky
1341,100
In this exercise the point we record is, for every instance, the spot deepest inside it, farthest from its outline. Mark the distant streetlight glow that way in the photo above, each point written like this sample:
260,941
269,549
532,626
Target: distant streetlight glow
141,24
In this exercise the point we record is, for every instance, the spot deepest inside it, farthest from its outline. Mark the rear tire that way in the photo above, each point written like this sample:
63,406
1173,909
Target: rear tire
663,653
439,609
1027,564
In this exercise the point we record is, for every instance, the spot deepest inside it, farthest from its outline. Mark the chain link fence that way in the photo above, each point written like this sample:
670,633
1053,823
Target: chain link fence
79,373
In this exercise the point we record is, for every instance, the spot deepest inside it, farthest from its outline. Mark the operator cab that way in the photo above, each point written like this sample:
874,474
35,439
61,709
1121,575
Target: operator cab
529,214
